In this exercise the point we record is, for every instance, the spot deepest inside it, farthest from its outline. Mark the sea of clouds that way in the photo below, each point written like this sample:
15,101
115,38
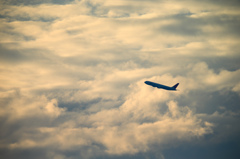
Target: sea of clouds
72,77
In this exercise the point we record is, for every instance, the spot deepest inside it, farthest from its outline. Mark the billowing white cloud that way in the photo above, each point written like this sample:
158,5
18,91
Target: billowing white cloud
72,76
131,128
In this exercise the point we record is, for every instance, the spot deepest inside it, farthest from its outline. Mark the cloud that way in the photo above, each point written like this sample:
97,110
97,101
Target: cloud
72,78
128,129
35,2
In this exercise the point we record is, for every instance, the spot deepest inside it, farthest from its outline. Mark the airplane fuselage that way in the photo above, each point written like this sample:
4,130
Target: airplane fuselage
160,86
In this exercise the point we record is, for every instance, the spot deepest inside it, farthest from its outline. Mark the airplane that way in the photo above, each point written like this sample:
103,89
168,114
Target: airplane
173,88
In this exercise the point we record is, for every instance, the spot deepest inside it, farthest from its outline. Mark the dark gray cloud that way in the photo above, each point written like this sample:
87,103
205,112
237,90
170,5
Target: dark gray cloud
179,27
35,2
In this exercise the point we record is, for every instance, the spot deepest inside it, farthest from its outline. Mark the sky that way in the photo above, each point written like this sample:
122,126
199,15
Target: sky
72,78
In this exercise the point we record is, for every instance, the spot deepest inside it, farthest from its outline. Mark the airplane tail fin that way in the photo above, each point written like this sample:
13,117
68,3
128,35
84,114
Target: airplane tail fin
175,86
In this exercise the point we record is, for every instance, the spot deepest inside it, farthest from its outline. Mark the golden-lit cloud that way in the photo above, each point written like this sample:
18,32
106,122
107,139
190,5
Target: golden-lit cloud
72,77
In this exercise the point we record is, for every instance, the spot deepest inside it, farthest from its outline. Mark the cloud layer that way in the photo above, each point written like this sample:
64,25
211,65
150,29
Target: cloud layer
73,72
